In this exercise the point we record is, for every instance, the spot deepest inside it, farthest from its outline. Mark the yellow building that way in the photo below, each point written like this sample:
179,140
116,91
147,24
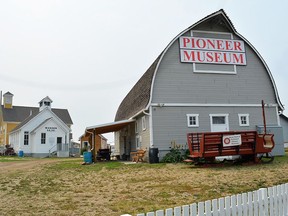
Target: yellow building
6,124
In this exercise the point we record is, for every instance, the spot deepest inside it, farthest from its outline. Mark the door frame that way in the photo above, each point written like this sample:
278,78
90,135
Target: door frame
219,115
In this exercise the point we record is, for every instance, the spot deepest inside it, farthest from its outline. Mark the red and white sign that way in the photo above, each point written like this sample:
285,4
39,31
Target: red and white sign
232,140
211,50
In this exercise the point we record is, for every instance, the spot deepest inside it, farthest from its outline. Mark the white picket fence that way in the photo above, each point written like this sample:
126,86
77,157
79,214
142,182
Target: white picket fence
272,201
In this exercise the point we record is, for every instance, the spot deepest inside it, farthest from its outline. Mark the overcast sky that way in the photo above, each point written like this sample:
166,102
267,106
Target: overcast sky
86,55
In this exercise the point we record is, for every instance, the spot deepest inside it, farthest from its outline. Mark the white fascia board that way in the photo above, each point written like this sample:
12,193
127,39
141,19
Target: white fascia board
59,119
207,105
110,124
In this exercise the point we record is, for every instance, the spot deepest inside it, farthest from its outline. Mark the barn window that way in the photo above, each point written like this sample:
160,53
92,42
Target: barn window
143,123
136,127
43,138
138,142
193,120
243,119
26,137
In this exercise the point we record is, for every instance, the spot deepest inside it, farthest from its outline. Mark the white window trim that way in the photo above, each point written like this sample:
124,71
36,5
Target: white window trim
188,120
143,123
43,140
247,120
136,127
28,137
214,71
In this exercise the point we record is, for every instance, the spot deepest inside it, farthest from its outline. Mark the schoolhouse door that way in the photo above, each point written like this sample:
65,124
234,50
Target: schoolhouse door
219,122
59,143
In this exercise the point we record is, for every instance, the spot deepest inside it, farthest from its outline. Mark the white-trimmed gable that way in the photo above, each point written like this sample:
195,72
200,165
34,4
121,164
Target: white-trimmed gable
40,118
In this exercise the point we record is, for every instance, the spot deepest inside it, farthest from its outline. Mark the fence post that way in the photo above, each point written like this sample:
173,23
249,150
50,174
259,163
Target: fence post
285,186
280,199
228,205
244,204
160,213
185,210
256,203
169,212
263,201
193,209
214,207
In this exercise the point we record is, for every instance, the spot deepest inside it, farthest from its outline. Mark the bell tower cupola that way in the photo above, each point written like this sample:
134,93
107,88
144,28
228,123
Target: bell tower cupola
8,98
45,102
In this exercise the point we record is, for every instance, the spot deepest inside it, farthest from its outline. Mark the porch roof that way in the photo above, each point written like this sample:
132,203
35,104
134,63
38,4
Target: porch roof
109,127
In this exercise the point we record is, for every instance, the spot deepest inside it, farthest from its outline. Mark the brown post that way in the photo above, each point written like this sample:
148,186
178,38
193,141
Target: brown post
264,118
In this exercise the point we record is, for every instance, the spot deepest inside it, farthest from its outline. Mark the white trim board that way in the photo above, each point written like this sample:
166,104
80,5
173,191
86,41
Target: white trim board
207,105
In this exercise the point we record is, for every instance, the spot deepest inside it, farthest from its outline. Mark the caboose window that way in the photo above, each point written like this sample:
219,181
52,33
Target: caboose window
193,120
243,119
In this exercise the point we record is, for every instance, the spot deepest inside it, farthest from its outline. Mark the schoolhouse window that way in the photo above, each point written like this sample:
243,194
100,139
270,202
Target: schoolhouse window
26,137
193,120
43,138
143,123
243,119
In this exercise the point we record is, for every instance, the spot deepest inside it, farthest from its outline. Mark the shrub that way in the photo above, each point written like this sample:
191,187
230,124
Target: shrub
176,154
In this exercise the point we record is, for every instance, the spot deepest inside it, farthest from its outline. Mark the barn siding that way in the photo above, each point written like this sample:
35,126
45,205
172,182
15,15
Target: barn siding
284,124
145,134
170,123
175,82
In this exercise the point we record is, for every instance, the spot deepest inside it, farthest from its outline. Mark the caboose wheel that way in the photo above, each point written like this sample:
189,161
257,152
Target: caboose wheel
266,158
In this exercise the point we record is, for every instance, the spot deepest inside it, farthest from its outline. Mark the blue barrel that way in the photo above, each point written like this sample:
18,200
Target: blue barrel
20,153
87,157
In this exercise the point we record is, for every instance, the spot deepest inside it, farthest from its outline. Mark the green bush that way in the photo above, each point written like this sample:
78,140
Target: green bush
176,154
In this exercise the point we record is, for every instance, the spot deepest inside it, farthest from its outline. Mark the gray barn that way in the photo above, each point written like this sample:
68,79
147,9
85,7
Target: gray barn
284,124
208,78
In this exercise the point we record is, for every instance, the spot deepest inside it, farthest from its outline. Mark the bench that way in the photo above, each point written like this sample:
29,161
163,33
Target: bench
138,155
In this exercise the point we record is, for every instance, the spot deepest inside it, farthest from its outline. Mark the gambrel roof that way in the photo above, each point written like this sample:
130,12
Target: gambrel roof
139,97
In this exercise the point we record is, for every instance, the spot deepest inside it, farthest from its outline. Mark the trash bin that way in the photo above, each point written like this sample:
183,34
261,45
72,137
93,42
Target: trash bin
87,157
20,153
153,155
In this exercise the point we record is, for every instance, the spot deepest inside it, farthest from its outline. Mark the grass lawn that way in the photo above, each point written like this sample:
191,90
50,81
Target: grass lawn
65,187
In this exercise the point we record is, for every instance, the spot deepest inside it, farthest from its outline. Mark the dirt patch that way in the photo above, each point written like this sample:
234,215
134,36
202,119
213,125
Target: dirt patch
22,165
12,166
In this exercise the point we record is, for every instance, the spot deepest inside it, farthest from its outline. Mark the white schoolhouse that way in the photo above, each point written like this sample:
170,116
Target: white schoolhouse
44,131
